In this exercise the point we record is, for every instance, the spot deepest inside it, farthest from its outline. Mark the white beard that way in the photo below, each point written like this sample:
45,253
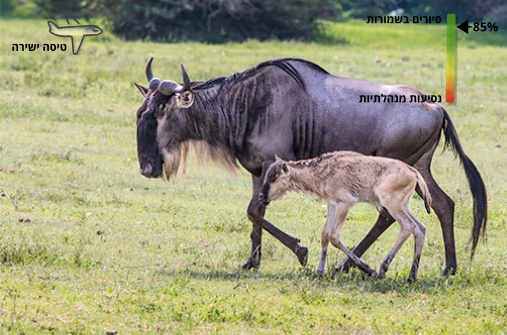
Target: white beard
172,161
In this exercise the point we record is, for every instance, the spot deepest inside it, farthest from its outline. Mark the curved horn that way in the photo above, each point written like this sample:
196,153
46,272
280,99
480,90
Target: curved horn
149,73
186,79
168,87
153,81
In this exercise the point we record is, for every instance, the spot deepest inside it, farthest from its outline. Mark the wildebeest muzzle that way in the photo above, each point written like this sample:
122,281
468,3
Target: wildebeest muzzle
150,171
264,195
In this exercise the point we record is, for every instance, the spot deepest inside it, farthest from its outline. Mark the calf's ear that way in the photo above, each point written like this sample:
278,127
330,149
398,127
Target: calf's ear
285,169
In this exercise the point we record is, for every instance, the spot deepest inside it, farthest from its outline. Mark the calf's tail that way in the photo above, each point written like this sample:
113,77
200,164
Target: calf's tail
422,189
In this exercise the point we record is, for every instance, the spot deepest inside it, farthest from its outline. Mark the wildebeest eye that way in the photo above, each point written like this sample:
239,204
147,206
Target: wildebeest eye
272,177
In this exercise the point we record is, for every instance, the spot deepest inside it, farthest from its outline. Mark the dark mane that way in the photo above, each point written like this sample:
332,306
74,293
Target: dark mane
208,83
283,64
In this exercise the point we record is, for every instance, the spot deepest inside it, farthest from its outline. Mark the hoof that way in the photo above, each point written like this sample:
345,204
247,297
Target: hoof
249,264
412,276
344,266
302,253
381,275
448,271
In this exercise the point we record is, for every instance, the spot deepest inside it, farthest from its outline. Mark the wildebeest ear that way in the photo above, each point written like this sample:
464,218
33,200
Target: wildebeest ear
186,99
141,89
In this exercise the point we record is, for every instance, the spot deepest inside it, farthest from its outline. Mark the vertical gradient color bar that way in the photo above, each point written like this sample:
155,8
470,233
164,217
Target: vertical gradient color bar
450,69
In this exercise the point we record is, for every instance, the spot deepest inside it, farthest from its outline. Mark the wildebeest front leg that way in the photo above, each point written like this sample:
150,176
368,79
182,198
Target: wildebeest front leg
254,261
384,221
255,209
256,212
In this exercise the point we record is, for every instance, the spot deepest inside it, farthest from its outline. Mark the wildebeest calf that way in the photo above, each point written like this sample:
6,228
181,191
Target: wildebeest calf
344,178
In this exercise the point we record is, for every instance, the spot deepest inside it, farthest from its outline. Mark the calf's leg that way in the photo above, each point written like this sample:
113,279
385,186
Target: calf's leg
331,210
419,236
384,221
406,229
342,210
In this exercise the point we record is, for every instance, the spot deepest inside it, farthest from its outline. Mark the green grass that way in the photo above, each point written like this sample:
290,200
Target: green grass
88,245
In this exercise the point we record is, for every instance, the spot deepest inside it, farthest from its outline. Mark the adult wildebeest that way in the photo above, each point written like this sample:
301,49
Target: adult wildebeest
343,179
296,109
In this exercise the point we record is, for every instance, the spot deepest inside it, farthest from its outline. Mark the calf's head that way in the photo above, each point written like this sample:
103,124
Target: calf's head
161,125
276,182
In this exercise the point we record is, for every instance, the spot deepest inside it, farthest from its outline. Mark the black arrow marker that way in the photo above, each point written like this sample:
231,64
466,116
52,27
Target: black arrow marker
464,26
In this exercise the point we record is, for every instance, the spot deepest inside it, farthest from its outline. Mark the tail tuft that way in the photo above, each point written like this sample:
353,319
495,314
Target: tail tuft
475,182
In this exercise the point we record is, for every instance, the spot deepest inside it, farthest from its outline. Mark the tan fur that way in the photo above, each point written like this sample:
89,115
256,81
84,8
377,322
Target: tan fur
345,178
203,152
172,161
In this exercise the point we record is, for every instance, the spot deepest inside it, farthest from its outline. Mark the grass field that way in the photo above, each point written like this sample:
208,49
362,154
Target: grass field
88,245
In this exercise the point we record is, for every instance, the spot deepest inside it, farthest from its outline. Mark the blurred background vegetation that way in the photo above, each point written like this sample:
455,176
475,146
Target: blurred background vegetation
217,21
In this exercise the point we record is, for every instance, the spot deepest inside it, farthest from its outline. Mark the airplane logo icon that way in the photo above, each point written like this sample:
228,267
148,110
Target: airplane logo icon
76,33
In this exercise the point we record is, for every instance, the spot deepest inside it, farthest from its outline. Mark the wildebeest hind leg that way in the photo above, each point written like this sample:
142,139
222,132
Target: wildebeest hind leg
384,221
443,206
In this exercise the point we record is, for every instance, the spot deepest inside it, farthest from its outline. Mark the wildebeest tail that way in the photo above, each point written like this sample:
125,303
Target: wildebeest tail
474,181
